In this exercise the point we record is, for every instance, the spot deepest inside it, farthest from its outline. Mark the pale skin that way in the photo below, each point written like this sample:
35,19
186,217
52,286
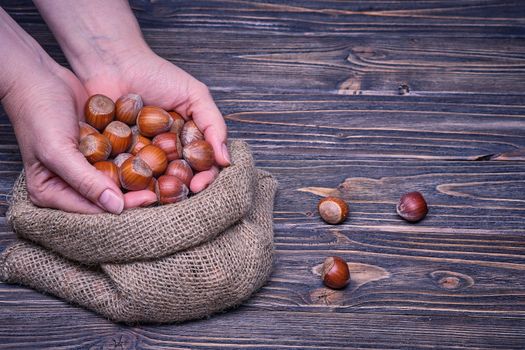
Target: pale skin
44,101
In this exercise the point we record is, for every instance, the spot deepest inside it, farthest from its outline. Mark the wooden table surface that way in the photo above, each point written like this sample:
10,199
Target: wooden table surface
368,100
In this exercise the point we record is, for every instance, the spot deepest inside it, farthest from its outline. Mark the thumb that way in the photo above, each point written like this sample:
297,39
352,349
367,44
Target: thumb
76,171
209,120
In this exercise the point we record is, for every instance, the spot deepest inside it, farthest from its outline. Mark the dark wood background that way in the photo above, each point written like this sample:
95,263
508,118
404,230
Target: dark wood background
314,87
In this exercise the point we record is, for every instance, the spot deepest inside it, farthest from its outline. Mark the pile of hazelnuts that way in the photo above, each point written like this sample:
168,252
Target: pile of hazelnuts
333,210
143,147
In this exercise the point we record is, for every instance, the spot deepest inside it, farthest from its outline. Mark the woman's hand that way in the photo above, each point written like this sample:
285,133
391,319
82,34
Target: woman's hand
44,102
45,117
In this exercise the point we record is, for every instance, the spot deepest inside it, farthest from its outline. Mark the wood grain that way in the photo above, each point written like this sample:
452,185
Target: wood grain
435,47
246,329
365,100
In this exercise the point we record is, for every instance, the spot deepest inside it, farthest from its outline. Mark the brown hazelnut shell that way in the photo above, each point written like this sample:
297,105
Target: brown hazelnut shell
152,121
190,132
127,108
335,273
199,154
178,122
180,169
95,147
412,207
99,111
119,135
170,143
135,174
121,158
333,210
155,157
85,129
170,189
138,141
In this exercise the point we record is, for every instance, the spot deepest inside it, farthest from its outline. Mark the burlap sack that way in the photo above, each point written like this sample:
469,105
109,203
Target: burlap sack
162,264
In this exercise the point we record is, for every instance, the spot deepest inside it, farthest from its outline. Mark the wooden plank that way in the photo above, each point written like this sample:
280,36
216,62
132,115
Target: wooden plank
337,65
310,16
314,87
320,56
345,65
262,330
356,127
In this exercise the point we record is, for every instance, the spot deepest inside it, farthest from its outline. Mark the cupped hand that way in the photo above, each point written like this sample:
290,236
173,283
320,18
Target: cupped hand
47,104
163,84
45,108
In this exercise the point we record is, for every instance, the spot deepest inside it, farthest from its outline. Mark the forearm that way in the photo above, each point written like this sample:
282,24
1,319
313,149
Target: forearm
21,57
93,33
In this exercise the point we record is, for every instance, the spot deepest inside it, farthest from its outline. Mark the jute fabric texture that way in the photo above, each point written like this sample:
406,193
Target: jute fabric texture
160,264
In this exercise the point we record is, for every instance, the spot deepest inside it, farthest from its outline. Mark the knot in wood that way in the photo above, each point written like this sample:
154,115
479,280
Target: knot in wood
119,341
325,296
450,280
403,89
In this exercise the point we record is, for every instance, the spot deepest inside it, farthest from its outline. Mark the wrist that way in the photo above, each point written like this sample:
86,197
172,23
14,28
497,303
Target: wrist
22,56
96,36
104,56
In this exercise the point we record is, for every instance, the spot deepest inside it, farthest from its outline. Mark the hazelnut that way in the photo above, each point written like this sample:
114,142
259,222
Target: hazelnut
95,147
121,158
190,133
109,169
135,174
152,121
127,108
119,135
170,189
199,154
155,157
178,122
170,143
412,207
180,169
335,273
137,141
333,210
85,129
99,111
152,185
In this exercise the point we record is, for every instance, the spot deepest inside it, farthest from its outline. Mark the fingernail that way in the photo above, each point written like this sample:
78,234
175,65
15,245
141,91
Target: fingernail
111,201
225,153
